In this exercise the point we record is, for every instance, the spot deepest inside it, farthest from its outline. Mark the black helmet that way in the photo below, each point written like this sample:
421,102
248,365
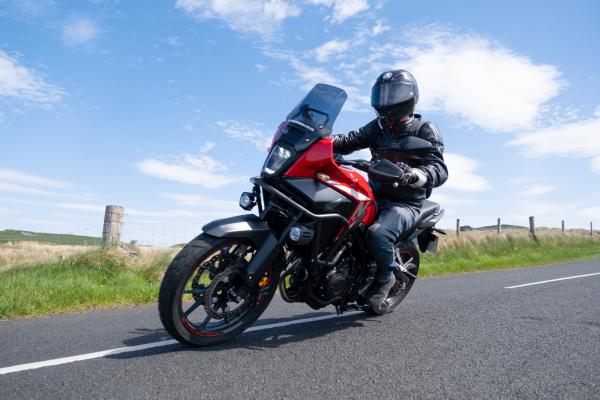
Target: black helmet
394,94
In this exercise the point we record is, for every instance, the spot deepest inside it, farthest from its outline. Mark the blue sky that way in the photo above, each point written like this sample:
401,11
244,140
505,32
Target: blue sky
166,107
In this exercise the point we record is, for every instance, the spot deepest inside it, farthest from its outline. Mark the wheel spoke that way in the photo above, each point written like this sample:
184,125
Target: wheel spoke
205,322
197,304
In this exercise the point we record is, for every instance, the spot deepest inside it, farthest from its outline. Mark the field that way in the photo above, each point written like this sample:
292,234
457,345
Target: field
11,236
38,279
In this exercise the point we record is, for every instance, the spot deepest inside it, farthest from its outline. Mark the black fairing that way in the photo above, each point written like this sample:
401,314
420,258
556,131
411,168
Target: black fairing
247,226
322,199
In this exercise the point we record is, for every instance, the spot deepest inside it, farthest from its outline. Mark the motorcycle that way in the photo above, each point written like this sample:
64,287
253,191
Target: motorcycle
307,241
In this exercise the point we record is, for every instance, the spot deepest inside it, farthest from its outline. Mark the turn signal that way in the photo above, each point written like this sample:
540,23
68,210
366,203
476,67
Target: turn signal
264,282
322,177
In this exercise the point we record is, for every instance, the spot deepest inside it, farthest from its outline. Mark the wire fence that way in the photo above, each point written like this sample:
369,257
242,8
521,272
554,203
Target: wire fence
132,229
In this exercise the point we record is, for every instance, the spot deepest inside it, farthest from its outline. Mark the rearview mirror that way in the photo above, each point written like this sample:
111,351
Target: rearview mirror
413,143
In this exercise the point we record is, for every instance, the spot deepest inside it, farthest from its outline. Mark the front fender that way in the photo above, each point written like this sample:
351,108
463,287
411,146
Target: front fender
247,226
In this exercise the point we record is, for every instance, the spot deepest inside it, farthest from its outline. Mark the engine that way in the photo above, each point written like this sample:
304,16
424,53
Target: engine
327,287
336,281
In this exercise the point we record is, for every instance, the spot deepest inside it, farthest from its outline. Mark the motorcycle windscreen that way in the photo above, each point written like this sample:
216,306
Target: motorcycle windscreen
320,108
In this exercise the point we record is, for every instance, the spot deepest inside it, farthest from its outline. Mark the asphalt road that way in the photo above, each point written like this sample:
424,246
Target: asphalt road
463,336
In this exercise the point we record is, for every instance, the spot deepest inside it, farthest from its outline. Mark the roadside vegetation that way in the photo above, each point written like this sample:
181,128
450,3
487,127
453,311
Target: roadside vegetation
485,250
38,279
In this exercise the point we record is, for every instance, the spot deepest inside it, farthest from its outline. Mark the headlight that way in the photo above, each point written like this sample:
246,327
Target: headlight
279,155
247,201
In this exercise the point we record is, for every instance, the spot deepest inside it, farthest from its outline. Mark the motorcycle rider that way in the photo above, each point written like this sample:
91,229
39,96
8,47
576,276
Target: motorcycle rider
393,97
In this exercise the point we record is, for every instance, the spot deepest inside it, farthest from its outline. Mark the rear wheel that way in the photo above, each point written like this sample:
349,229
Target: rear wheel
408,256
202,300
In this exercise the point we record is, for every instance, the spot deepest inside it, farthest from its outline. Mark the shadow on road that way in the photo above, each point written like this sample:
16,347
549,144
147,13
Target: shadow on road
257,340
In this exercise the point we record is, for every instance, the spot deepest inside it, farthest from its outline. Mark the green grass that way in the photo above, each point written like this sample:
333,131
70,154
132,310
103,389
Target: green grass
507,251
98,278
92,279
9,235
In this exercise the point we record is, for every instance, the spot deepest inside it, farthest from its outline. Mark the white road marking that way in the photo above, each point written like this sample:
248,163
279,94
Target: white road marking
128,349
551,280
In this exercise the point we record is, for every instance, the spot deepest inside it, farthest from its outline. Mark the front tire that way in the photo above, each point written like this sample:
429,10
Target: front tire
199,290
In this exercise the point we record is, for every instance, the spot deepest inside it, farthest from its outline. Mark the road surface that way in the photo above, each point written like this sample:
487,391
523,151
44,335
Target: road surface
523,333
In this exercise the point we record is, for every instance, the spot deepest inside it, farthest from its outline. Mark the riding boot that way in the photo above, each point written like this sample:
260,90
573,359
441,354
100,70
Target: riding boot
379,291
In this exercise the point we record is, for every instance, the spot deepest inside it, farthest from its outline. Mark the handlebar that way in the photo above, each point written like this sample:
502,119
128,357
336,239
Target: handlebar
363,165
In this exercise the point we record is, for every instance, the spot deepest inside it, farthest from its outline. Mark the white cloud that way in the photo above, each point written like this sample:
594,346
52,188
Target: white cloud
462,176
261,17
379,28
174,41
474,79
308,76
21,83
20,177
343,9
577,139
25,9
80,31
199,200
331,48
249,132
208,146
261,67
537,190
447,200
95,208
478,80
11,187
194,170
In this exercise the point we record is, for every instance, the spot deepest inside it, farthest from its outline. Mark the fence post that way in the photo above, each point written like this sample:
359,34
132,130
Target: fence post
458,227
563,226
499,230
113,222
591,230
532,227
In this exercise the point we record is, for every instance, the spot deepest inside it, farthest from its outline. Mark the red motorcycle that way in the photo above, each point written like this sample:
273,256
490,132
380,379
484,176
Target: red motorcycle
308,239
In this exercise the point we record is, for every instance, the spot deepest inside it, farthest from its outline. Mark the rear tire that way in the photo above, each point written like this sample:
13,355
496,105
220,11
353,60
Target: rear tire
195,264
403,284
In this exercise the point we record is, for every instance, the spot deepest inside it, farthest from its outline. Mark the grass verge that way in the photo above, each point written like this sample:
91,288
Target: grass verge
486,252
86,280
96,278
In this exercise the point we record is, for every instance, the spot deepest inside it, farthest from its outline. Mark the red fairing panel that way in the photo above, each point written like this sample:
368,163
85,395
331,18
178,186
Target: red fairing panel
319,158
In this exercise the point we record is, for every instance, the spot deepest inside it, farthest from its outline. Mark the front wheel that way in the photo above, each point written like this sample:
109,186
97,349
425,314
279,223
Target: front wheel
202,299
408,256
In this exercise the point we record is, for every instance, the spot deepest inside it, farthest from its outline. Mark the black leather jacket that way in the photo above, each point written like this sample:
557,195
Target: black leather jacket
391,145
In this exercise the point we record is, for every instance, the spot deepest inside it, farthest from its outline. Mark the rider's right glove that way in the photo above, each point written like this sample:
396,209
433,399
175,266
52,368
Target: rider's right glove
413,177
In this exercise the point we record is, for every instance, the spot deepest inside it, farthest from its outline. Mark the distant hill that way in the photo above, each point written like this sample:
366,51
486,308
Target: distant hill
466,228
9,235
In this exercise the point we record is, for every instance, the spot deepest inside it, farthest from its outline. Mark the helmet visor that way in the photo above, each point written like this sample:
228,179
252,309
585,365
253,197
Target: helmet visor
391,93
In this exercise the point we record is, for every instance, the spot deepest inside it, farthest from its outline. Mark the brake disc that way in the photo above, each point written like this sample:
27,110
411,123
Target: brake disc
220,292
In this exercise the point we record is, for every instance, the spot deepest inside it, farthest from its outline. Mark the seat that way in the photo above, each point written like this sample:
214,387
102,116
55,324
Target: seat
427,209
